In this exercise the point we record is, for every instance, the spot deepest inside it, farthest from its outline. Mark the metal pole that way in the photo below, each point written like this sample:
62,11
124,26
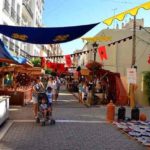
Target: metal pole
94,55
134,43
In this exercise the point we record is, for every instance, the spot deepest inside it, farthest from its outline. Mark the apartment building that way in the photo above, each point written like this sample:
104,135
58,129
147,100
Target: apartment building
21,13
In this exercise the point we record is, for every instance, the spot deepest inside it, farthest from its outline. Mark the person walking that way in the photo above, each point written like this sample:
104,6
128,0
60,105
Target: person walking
37,87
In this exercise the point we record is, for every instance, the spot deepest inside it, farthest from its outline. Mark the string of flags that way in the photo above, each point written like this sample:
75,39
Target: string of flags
68,61
88,51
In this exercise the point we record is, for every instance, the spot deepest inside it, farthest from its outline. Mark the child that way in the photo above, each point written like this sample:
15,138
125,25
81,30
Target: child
49,96
44,107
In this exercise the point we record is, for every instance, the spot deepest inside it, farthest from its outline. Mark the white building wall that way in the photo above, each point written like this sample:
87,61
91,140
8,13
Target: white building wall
120,56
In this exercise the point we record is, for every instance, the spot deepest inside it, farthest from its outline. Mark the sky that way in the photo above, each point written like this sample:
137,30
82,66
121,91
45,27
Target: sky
61,13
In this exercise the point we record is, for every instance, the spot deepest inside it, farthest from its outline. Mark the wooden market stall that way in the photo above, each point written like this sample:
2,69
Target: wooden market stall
20,89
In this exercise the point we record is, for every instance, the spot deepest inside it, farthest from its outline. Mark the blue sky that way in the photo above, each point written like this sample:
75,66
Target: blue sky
60,13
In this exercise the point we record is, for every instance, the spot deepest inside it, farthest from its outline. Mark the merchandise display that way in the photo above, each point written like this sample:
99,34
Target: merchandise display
139,130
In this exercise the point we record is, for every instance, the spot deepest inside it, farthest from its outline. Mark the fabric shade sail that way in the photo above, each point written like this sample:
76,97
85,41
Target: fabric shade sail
122,15
6,56
37,35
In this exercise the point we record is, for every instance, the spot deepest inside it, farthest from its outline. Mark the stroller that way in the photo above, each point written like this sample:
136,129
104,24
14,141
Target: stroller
41,117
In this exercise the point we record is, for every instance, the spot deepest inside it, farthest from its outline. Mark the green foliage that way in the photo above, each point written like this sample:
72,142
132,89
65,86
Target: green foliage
48,71
36,62
147,82
53,73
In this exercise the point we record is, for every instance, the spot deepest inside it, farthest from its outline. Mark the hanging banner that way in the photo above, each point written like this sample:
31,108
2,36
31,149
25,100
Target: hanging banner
122,15
43,62
131,75
148,60
97,38
44,35
102,53
68,60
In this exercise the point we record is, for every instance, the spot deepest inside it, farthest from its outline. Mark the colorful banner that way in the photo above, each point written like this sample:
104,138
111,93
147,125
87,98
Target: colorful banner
44,35
58,67
102,53
68,60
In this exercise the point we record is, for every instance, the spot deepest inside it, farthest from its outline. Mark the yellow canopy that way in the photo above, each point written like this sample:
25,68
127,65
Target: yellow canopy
97,38
132,12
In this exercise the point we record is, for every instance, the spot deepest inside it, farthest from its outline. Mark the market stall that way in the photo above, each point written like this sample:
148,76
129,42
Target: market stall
16,82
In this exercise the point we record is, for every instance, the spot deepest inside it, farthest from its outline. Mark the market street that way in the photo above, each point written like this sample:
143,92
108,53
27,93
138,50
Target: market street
77,128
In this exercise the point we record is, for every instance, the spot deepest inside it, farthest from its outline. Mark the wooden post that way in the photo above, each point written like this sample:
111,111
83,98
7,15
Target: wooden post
131,86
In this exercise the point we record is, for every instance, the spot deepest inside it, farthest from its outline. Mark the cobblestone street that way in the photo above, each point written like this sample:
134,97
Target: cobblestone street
77,128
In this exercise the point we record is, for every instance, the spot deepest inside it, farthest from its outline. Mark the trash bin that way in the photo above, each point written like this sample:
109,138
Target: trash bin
135,113
121,113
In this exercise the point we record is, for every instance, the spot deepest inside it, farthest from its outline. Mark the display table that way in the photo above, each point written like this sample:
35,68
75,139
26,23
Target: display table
4,108
19,97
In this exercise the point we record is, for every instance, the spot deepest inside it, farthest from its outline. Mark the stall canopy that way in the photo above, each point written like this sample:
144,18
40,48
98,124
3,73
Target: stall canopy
132,12
36,35
6,56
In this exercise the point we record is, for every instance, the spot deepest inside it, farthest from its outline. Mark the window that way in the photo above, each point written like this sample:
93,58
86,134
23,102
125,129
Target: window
18,13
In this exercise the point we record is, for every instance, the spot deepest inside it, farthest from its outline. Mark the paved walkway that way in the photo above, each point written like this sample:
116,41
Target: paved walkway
77,128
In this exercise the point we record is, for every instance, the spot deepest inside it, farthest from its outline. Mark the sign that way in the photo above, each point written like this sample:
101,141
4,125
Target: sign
131,75
84,72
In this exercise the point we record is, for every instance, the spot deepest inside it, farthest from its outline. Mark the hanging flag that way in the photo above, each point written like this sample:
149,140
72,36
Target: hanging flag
148,60
43,62
68,60
102,53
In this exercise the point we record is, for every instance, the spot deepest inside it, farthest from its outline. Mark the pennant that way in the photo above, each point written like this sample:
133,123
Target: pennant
148,60
102,53
68,60
43,62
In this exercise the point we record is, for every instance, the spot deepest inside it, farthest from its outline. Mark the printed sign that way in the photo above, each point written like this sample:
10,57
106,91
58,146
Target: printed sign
131,75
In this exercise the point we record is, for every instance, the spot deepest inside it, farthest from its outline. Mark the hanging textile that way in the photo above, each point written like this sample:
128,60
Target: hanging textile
102,53
148,60
68,60
44,35
122,15
5,54
43,62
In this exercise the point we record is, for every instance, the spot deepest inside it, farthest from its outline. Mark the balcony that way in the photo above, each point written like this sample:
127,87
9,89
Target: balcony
24,54
28,8
13,13
6,6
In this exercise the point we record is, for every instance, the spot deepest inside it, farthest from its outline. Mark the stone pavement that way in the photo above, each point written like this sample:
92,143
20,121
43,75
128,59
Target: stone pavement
77,128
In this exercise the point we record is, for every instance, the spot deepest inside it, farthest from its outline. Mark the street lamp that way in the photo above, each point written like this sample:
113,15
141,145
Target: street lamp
95,45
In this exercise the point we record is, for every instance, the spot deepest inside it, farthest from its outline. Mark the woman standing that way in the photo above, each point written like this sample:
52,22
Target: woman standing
37,87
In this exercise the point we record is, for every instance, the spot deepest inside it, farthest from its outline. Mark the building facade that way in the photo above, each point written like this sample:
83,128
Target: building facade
119,52
21,13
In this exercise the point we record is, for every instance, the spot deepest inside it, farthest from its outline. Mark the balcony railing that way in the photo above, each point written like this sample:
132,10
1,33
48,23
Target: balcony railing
6,5
24,54
25,3
13,13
